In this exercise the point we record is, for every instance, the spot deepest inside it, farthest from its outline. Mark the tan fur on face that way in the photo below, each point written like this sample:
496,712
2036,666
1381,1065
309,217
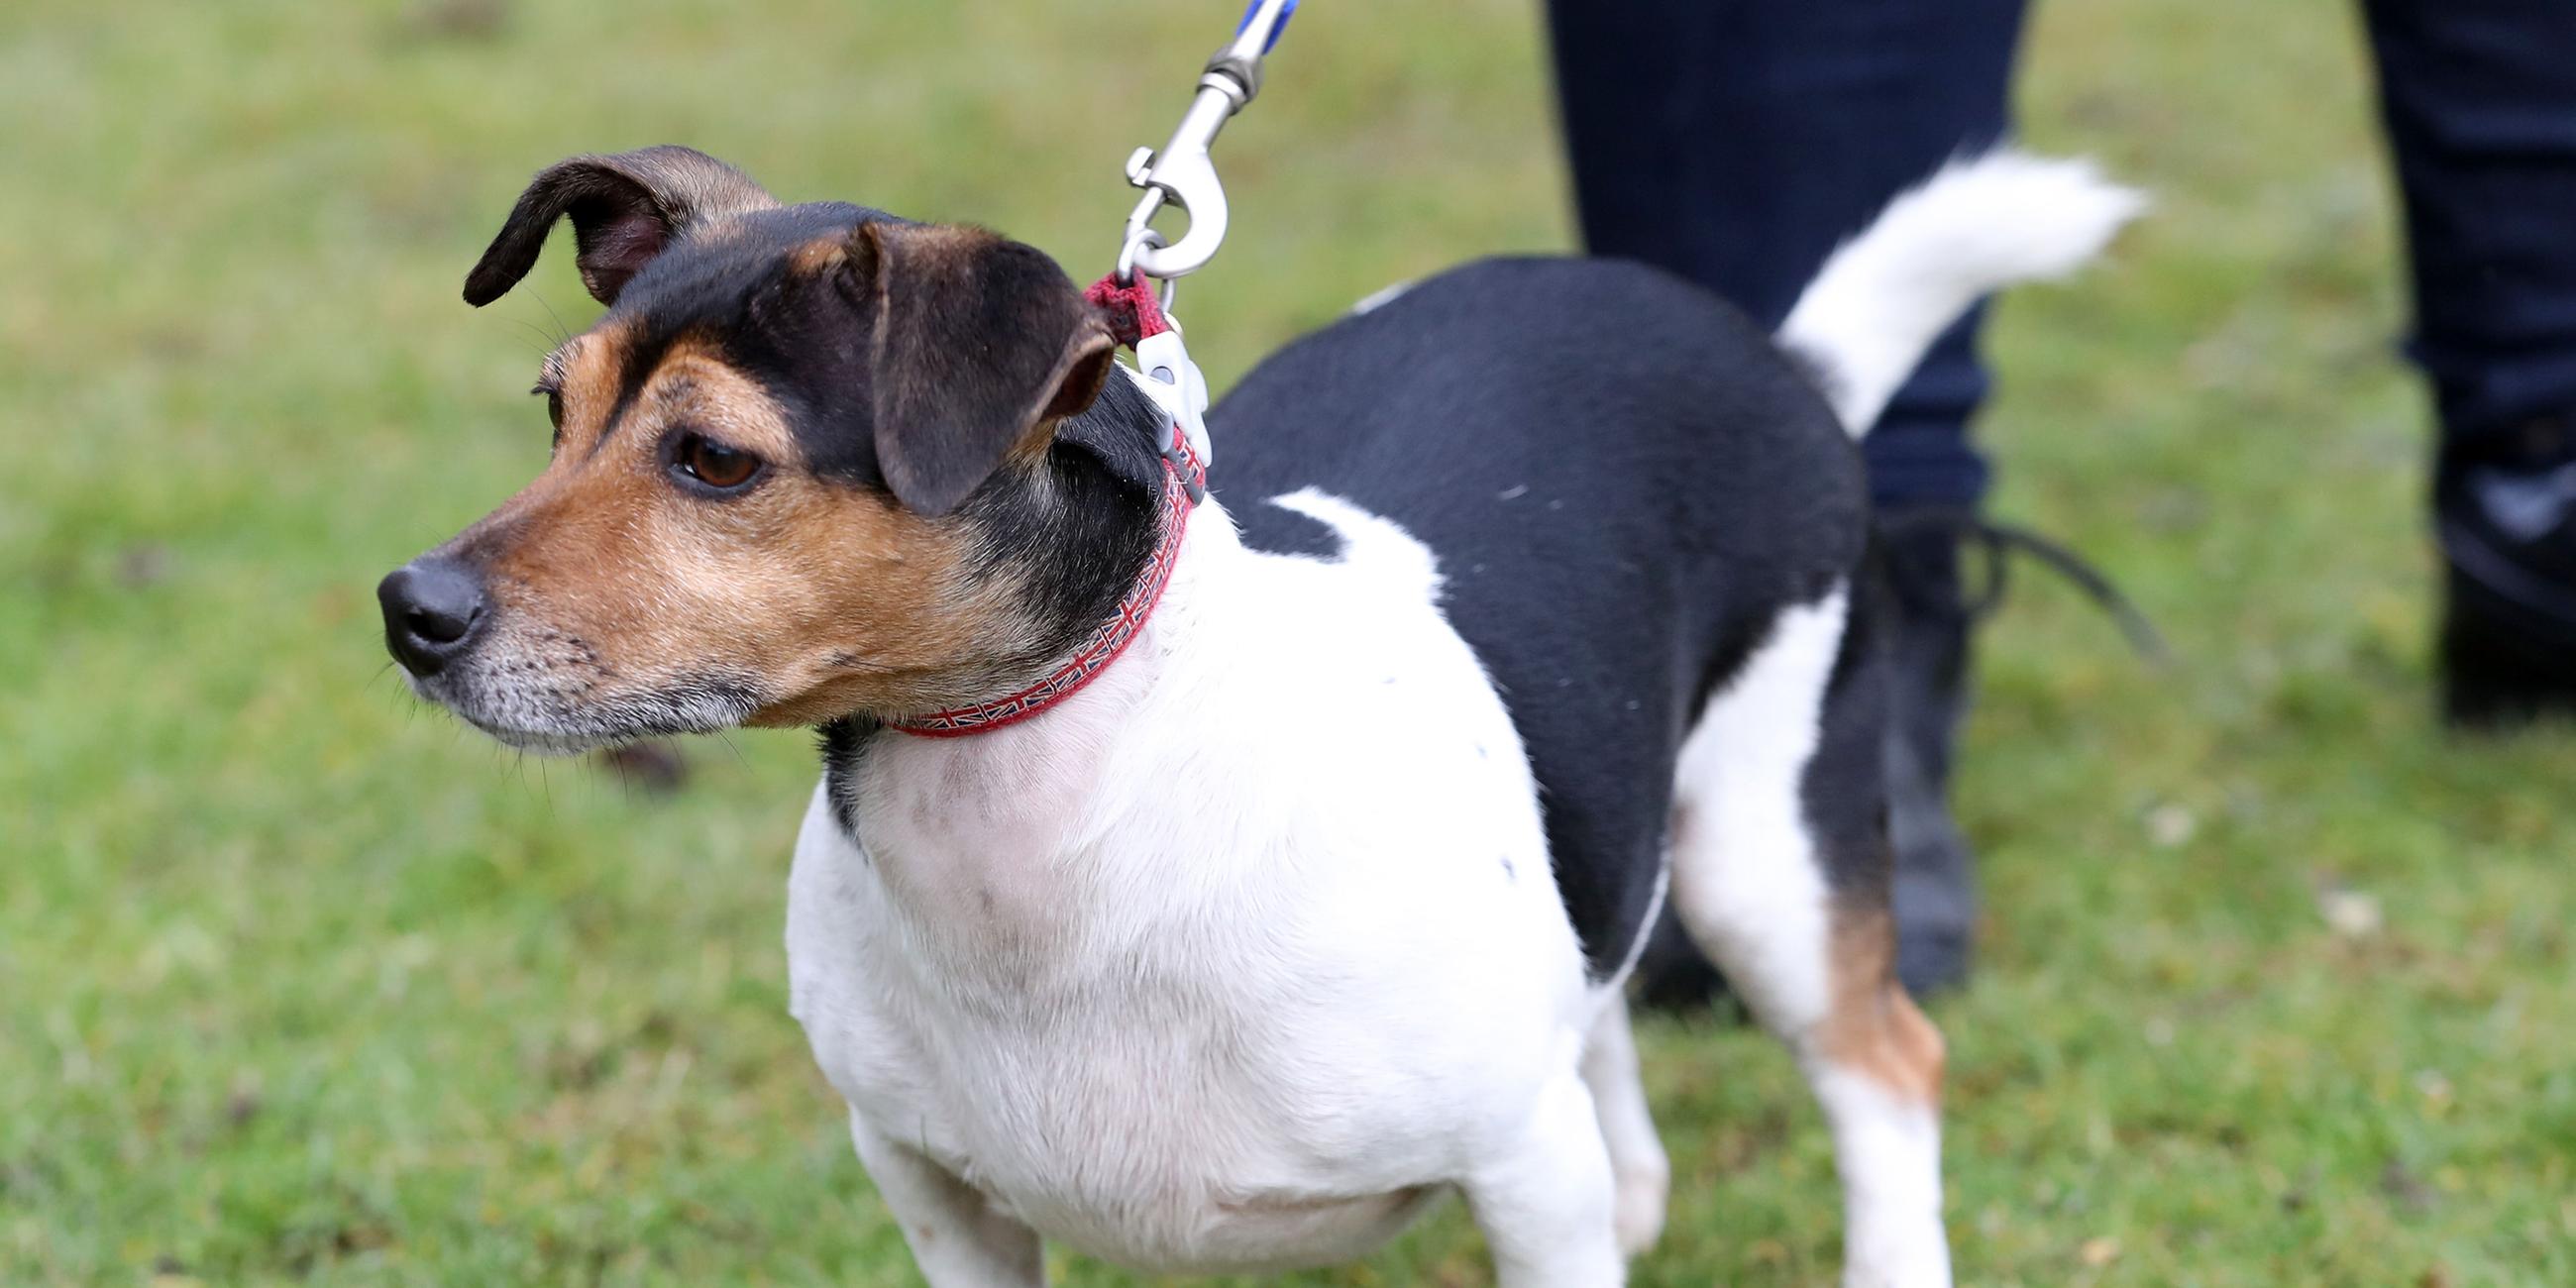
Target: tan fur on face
822,598
1871,1027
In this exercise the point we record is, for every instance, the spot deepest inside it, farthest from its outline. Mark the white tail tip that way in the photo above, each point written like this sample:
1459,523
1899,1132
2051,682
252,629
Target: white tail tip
1977,226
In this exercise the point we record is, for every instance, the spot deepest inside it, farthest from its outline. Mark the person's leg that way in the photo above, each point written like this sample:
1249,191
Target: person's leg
2480,102
1737,143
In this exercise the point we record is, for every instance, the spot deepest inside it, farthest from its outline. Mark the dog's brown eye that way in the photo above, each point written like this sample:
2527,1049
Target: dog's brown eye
713,463
554,409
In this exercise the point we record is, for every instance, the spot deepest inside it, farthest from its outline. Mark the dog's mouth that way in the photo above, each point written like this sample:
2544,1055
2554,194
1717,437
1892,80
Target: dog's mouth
534,708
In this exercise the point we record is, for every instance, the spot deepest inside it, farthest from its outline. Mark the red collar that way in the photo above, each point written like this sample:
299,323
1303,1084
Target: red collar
1184,482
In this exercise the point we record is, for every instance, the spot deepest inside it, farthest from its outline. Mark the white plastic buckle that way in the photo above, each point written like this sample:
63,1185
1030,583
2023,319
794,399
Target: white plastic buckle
1175,385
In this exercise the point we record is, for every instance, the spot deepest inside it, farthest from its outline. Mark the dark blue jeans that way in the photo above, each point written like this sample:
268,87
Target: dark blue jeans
1738,141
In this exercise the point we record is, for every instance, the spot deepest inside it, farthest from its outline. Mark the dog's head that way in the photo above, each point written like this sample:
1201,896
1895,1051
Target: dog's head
794,472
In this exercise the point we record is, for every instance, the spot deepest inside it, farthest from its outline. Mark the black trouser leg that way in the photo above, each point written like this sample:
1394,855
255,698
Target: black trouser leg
1737,142
2480,102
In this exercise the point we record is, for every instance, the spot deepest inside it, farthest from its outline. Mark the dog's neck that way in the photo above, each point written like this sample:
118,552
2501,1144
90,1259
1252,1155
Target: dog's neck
1077,532
1090,535
1024,833
1067,599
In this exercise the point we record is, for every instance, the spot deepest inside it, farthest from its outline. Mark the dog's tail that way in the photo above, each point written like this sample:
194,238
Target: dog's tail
1981,224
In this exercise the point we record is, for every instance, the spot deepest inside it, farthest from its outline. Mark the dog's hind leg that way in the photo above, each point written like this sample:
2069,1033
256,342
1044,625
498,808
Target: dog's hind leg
1780,871
958,1240
1543,1197
1637,1162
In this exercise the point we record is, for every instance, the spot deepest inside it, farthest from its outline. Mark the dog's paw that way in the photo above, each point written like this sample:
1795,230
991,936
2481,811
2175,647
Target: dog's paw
1639,1215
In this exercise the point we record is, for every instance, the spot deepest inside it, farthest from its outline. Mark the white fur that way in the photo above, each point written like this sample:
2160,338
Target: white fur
1748,885
1978,226
1381,297
1231,962
1385,550
1745,873
1638,1166
1887,1150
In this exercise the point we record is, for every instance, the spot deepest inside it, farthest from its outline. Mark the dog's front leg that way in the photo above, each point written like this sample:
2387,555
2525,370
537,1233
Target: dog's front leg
958,1240
1545,1198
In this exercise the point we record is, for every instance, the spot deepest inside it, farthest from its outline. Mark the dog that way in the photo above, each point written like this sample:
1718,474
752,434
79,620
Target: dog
1213,880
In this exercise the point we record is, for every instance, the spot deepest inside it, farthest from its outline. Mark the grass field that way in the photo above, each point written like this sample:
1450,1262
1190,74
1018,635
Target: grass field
298,981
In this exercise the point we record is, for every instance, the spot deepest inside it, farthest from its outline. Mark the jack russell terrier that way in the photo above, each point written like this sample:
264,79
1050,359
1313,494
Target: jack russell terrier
1212,881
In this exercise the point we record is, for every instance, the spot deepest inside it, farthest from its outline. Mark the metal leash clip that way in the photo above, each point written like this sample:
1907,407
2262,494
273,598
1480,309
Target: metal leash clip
1181,173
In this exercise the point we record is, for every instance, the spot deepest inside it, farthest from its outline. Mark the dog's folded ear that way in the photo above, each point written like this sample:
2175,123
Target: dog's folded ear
625,209
981,346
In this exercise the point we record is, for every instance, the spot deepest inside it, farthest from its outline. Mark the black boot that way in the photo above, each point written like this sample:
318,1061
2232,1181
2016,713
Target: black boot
2505,511
1927,673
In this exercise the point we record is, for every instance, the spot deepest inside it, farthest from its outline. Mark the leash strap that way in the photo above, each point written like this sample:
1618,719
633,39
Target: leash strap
1172,380
1134,312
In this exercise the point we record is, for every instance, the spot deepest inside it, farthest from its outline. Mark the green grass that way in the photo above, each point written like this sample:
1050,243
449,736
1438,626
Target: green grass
299,981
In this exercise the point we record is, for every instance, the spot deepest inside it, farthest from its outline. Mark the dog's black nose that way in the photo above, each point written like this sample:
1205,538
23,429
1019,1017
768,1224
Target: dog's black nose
431,609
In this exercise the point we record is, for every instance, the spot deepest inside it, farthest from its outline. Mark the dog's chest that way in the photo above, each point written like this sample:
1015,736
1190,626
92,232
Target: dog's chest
1144,1113
1190,1071
1208,998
